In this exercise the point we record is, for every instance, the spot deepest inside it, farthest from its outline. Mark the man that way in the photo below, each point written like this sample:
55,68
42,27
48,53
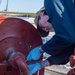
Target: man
42,22
61,46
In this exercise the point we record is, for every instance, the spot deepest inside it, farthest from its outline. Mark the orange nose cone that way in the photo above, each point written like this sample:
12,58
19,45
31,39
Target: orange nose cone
2,18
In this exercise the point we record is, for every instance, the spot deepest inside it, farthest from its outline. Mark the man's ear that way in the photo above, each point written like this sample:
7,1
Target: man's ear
41,14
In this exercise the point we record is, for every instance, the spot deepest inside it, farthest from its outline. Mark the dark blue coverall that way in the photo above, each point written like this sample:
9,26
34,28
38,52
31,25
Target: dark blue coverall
62,18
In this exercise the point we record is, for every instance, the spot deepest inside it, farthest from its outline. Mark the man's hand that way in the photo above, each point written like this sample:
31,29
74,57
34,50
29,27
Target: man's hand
37,66
34,68
34,54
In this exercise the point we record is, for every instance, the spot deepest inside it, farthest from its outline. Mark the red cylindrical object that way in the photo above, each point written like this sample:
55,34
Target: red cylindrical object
17,38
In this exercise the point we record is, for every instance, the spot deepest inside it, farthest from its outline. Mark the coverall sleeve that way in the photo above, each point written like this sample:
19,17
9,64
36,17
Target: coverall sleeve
55,46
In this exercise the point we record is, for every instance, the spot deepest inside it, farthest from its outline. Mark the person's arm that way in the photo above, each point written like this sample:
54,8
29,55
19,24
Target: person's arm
55,45
60,50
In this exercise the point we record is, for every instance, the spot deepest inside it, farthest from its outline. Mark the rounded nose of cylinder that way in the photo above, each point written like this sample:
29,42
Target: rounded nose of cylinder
18,60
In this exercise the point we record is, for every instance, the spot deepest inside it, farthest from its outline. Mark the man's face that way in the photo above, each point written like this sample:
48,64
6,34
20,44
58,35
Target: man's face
43,22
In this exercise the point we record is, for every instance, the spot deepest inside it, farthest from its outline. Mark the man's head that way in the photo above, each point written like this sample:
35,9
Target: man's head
42,23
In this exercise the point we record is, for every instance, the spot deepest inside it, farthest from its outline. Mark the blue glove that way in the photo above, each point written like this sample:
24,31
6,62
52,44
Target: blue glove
34,54
34,68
